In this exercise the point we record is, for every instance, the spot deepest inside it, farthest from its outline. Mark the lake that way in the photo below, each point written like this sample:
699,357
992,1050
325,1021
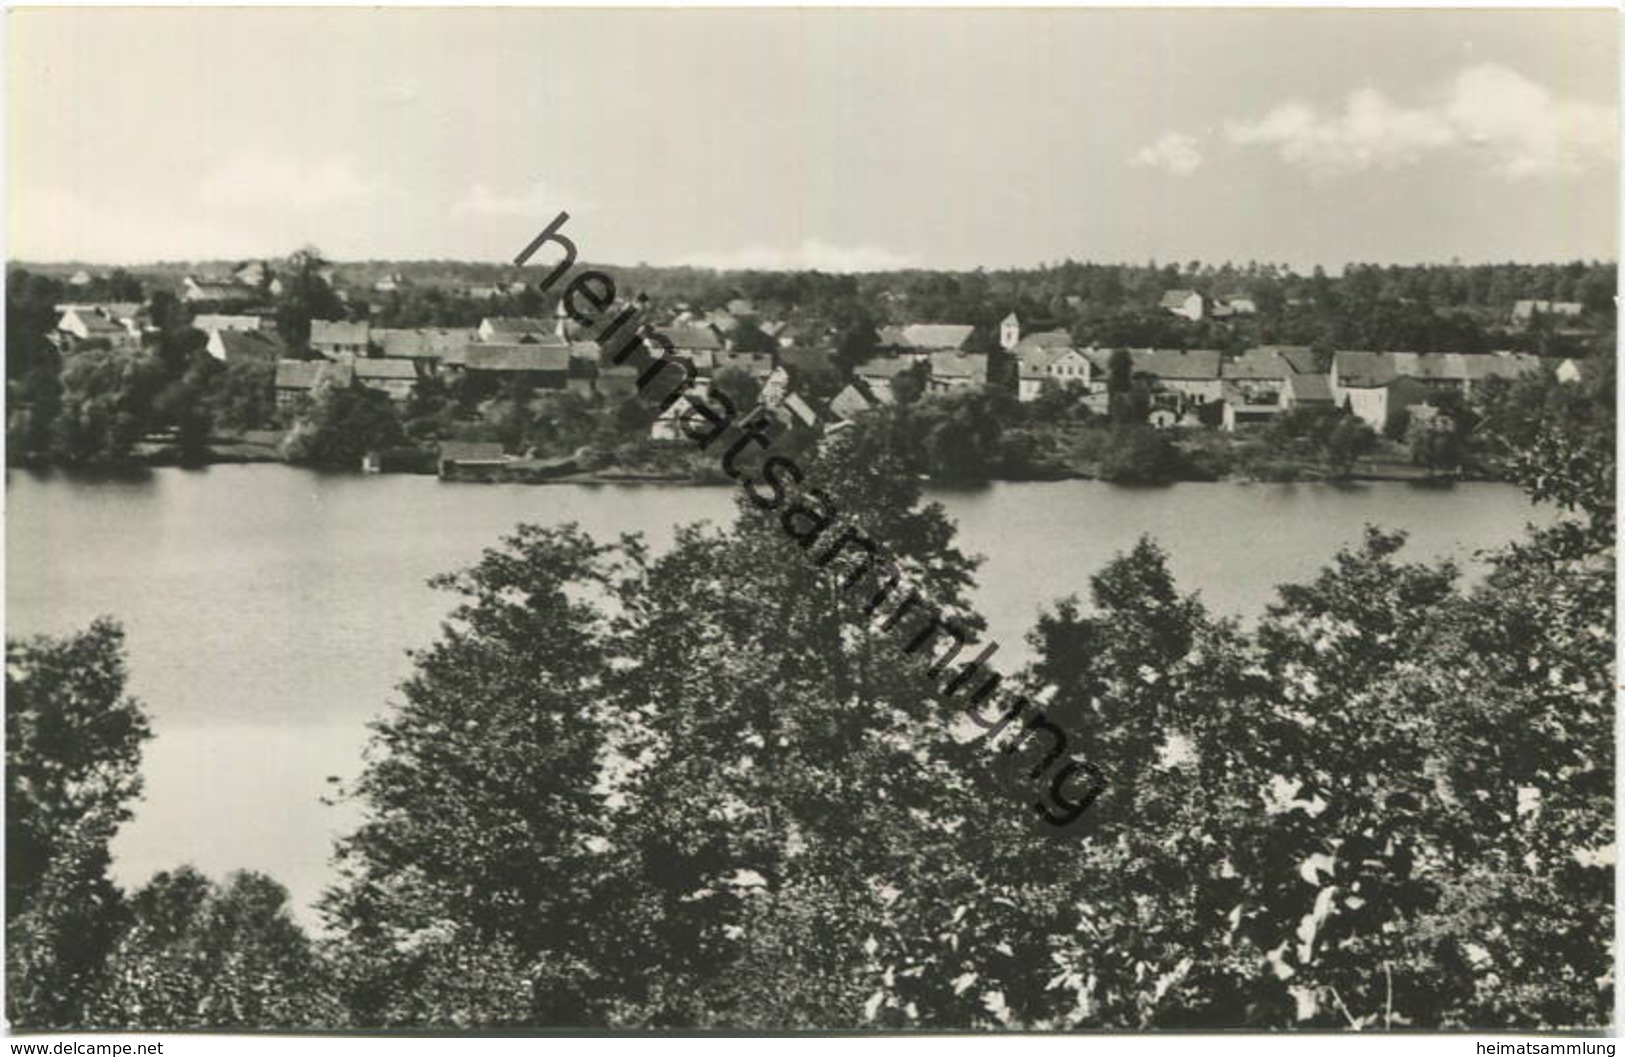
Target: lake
268,609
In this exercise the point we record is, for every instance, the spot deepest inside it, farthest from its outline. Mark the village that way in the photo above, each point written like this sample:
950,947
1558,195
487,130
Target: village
494,388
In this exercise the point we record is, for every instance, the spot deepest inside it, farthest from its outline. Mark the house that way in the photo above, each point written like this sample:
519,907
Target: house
697,343
879,373
422,343
482,292
1307,390
1571,371
215,291
1247,407
82,324
952,371
210,322
296,378
390,284
923,338
1224,308
1365,382
1192,373
127,314
1525,311
253,274
393,378
542,366
80,278
1050,354
1059,364
337,339
1256,378
811,366
515,330
1186,303
231,346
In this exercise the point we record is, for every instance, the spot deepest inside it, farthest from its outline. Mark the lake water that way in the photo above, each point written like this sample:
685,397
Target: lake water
268,609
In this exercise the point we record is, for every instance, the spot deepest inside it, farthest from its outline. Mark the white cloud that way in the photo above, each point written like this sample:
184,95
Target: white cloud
248,181
811,254
1176,152
539,202
1521,128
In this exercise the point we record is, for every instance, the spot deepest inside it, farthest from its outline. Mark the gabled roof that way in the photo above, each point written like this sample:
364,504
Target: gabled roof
214,321
807,359
884,367
686,337
205,288
304,374
852,400
1365,370
382,370
1047,339
926,336
94,322
504,326
1188,365
801,410
1310,388
422,342
971,365
1259,364
1176,298
251,344
115,310
1036,362
517,357
339,332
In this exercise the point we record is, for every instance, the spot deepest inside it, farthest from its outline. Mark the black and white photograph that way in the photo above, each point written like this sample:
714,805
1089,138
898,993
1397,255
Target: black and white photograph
873,521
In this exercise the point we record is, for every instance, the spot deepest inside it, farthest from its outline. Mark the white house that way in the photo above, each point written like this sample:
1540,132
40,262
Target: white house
1186,303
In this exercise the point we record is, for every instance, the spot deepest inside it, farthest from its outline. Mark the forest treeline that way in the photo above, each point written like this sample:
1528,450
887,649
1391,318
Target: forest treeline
631,791
96,406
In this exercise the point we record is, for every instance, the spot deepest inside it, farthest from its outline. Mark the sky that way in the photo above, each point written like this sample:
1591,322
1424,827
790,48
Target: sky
846,140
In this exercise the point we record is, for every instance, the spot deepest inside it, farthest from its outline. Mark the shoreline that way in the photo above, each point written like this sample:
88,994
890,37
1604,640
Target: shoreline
527,476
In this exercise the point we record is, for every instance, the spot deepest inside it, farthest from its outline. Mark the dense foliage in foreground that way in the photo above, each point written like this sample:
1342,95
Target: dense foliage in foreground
630,791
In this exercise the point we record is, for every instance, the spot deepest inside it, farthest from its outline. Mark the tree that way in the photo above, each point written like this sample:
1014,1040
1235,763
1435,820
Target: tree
73,745
306,295
340,425
740,386
1119,371
106,405
217,957
1139,454
242,396
1347,441
760,747
482,819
